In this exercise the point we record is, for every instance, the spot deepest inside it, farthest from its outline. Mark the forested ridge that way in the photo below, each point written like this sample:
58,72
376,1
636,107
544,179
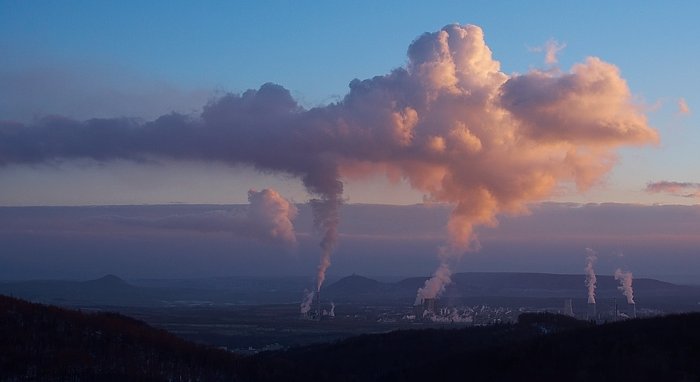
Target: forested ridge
45,343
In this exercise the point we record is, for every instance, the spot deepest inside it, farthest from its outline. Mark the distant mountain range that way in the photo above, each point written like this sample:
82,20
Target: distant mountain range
198,241
495,284
108,290
113,291
45,343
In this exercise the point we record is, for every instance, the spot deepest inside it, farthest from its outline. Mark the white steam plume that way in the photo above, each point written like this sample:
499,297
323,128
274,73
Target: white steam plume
326,219
591,258
625,279
435,285
271,215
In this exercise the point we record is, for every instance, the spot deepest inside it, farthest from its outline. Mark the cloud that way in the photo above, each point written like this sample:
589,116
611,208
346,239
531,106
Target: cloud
550,48
450,122
684,189
270,217
683,106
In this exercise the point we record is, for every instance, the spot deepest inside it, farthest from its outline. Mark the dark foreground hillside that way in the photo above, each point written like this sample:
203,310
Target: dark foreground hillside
541,347
44,343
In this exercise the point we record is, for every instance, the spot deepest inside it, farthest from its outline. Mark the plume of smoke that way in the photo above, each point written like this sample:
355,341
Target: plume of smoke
625,279
332,312
435,285
591,258
307,301
326,219
450,122
270,215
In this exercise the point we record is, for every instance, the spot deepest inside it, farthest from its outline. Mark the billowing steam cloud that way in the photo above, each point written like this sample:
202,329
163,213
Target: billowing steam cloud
591,258
270,215
450,123
684,189
625,279
435,285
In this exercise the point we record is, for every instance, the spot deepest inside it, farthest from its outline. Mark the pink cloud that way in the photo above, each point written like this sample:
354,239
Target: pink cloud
684,189
551,49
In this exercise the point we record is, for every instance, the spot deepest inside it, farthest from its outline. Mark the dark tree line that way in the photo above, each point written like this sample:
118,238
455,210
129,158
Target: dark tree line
44,343
540,347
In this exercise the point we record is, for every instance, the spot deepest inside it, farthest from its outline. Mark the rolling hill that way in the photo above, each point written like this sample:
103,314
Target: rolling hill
496,284
48,343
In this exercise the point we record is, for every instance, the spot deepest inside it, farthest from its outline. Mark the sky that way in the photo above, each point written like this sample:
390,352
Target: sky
489,108
128,59
147,242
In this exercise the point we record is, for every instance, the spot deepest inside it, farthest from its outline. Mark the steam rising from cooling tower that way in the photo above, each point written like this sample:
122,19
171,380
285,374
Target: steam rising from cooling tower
591,258
450,123
326,219
435,285
625,279
307,301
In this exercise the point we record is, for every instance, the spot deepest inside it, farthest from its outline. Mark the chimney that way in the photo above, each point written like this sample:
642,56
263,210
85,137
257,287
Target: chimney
430,305
318,305
568,308
592,315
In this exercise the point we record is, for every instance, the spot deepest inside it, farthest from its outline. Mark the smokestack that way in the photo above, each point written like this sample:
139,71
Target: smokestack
418,308
318,305
592,315
568,308
430,305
